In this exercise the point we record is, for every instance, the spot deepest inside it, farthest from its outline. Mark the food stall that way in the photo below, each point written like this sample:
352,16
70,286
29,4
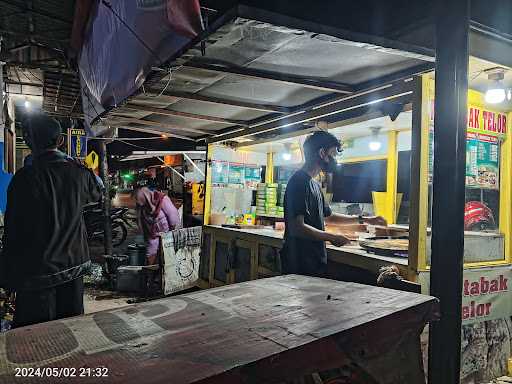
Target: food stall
260,76
254,244
246,181
386,169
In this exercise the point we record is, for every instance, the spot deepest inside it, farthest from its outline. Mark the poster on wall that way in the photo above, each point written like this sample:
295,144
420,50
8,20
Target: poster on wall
485,129
482,161
220,172
236,173
252,173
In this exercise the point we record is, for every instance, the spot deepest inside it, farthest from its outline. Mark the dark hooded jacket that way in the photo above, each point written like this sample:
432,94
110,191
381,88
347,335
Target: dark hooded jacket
45,240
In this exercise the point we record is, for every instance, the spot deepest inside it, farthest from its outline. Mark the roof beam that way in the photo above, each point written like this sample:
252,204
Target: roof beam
216,100
309,108
267,75
29,35
168,112
23,84
157,132
386,92
149,123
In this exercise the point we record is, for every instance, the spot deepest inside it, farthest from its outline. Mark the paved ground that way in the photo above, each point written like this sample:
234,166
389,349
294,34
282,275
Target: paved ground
101,298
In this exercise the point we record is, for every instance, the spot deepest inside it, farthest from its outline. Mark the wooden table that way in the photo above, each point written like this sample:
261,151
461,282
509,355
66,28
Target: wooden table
264,331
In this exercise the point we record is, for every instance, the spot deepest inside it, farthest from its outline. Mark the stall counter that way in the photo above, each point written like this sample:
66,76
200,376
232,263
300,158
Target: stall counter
231,255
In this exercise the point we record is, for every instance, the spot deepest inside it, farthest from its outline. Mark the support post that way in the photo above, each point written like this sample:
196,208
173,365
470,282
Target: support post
107,238
392,178
269,172
208,185
506,189
451,92
420,149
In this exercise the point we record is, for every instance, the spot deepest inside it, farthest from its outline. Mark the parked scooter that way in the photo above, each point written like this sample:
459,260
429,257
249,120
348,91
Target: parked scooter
94,223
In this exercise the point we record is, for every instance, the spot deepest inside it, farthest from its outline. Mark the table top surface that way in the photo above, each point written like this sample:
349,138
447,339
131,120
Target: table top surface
204,334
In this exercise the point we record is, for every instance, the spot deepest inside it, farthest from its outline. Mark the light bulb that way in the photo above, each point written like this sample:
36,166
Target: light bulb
495,95
287,156
27,104
374,145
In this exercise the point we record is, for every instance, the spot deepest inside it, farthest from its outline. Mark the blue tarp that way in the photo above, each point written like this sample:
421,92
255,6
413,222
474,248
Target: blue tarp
124,40
5,179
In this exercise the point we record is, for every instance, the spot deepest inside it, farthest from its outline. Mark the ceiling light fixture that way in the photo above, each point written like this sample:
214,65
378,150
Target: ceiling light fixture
496,92
287,154
375,144
27,104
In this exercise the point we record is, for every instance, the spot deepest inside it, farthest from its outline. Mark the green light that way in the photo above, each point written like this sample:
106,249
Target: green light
127,176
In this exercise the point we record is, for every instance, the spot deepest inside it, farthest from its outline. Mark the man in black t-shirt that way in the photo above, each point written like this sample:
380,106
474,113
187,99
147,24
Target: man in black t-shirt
305,210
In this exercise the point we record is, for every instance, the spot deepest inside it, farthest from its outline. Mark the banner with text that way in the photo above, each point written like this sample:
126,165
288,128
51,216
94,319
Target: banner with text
486,293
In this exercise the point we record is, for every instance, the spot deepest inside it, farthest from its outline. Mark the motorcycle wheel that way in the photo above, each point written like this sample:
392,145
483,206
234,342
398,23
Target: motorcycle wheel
119,233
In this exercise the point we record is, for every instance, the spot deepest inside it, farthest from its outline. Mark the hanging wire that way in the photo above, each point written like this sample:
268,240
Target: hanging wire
166,85
135,145
477,74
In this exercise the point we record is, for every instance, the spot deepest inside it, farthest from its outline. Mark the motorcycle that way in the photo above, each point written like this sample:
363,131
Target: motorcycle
478,217
95,225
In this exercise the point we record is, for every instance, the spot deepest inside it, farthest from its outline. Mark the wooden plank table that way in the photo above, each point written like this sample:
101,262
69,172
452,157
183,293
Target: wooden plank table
263,331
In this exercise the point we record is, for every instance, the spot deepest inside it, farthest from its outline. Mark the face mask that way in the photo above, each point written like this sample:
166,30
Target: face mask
329,165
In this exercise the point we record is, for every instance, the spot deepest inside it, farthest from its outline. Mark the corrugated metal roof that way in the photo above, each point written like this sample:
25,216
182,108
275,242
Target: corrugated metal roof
35,36
47,22
252,71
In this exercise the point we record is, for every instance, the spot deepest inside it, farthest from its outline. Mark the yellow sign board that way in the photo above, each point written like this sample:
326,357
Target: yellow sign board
92,160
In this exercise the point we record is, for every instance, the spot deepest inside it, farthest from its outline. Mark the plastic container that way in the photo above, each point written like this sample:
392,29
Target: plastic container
130,279
218,218
136,254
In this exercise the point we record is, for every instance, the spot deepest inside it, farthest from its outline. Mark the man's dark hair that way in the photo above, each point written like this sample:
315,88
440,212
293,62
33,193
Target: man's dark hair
317,141
41,132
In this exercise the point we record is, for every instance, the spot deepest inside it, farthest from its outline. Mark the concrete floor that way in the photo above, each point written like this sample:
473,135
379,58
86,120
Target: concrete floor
95,301
99,300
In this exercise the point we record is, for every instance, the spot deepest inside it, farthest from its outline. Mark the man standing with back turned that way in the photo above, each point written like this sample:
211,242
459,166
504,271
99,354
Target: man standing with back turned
45,244
305,210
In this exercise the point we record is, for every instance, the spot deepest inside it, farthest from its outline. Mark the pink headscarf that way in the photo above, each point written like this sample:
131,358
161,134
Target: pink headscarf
149,204
149,201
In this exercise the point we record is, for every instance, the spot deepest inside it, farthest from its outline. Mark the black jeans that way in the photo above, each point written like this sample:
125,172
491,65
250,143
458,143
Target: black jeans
39,306
296,263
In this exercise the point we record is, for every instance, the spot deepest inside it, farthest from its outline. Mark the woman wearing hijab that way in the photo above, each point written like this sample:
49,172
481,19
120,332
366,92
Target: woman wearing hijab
156,214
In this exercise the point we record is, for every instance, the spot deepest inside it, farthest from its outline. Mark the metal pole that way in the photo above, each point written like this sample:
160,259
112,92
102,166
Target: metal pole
106,199
449,188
